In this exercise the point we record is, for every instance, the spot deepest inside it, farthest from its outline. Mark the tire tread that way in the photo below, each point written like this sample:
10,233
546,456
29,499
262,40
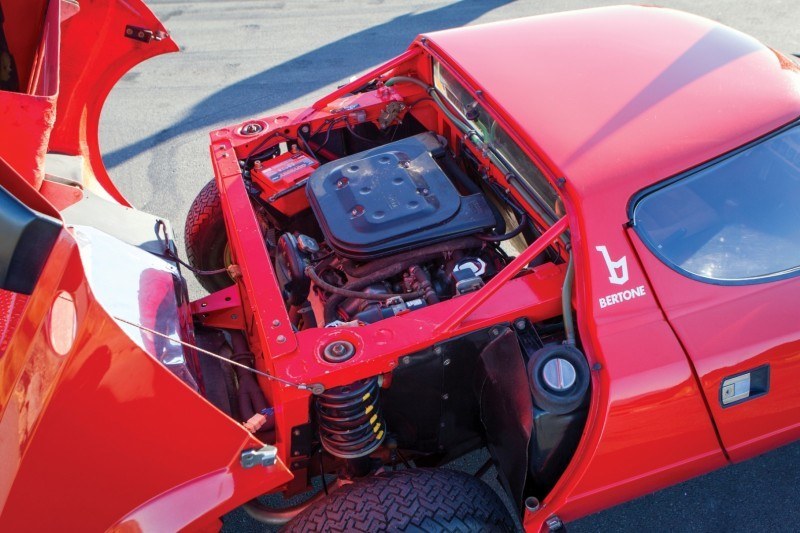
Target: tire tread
409,500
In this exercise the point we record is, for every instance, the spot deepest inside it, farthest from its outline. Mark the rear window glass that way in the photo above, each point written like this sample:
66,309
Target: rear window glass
494,135
736,220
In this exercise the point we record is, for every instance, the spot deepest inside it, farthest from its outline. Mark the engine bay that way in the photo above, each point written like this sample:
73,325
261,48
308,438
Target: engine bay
409,277
398,235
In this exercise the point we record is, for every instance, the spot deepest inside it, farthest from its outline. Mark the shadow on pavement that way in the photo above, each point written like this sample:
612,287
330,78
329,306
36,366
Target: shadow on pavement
308,72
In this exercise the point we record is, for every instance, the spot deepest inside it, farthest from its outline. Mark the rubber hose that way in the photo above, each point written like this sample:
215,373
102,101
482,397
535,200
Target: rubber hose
250,396
350,293
436,98
566,302
361,283
419,255
510,235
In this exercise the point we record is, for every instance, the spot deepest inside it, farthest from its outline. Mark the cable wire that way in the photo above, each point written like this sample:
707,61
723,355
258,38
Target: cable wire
314,388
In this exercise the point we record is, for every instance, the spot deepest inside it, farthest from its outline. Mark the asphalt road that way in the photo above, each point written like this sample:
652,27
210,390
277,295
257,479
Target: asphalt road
246,58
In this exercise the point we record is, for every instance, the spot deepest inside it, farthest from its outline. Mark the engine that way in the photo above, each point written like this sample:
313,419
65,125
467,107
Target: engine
401,227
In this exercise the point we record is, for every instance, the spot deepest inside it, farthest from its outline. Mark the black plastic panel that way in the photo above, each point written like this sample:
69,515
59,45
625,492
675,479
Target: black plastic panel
392,198
27,239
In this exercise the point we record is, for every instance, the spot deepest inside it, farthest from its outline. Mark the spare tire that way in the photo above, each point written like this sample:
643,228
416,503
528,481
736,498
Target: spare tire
418,499
205,238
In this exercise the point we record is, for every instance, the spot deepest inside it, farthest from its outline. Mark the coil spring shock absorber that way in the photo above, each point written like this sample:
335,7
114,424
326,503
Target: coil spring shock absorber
350,421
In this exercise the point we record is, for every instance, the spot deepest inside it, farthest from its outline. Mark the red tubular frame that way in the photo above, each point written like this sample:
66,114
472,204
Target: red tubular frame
295,356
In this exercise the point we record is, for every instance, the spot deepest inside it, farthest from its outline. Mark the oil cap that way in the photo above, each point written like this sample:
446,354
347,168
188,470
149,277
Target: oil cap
558,374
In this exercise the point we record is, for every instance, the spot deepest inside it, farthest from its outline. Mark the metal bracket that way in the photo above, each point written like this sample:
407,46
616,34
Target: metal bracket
259,457
143,34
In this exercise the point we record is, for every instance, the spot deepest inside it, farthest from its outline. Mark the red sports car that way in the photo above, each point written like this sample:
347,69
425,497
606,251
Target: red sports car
585,261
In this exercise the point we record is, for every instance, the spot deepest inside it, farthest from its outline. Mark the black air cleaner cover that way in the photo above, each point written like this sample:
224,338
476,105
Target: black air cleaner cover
392,198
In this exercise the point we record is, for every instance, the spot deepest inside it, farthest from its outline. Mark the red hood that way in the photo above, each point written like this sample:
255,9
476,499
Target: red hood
65,66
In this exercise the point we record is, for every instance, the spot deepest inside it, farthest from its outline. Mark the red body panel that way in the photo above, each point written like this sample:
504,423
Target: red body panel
80,53
732,329
625,116
95,55
139,425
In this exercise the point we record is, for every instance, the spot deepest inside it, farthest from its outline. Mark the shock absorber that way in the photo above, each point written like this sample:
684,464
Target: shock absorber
350,420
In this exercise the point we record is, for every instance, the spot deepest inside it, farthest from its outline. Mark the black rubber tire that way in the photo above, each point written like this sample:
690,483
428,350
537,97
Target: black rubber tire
418,499
205,238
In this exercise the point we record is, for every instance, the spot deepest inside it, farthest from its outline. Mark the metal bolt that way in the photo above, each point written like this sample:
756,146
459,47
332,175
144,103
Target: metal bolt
445,396
554,523
281,339
296,432
251,128
406,360
520,324
295,453
338,351
495,332
446,362
234,316
442,424
204,304
437,350
276,323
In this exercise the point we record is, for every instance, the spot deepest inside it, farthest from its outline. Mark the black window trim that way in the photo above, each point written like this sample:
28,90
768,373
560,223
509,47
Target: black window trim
636,198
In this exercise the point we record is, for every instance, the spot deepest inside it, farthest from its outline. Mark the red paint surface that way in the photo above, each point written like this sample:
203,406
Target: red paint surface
95,55
109,428
611,124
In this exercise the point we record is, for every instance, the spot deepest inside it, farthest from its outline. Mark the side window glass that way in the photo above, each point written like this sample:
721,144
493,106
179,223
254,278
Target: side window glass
734,221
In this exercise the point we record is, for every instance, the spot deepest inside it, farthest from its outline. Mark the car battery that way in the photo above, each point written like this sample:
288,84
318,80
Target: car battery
282,180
